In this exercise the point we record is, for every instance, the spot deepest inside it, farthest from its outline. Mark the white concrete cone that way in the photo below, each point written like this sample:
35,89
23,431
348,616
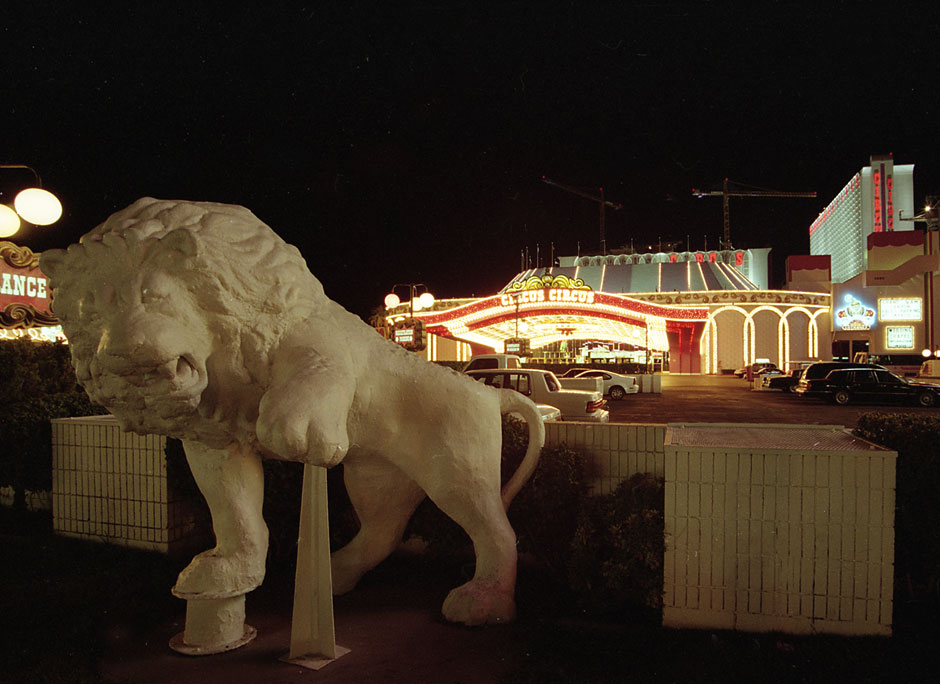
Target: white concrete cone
312,640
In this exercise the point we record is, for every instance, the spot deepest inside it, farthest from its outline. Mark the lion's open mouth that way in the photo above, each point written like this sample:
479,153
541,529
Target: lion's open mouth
174,376
166,390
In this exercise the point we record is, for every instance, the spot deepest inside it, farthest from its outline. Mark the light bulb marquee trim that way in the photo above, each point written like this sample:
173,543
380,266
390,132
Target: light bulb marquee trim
548,281
542,304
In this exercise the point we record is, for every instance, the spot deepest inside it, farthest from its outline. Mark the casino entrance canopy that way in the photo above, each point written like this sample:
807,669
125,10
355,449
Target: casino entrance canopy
547,309
710,311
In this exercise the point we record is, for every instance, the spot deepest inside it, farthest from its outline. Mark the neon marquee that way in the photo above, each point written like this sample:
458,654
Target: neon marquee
854,315
548,295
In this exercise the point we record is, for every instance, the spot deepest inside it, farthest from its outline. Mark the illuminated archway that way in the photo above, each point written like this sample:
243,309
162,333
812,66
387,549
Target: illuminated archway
710,345
711,332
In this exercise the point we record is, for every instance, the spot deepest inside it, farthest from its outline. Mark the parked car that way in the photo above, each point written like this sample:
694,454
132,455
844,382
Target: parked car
819,370
582,383
755,367
615,385
573,372
767,373
543,387
482,361
785,382
549,412
845,385
929,370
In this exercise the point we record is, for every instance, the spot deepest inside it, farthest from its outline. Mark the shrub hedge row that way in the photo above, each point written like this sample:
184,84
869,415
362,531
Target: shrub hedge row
608,550
37,384
916,438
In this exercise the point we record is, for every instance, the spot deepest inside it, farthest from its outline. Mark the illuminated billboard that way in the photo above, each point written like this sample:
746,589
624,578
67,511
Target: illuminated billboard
854,315
899,337
25,295
900,309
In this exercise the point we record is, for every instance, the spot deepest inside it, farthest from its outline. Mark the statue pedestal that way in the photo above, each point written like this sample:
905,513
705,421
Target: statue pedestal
216,625
312,638
213,626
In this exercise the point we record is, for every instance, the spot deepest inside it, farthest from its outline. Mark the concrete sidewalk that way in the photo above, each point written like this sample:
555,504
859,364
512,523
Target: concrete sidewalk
726,399
391,623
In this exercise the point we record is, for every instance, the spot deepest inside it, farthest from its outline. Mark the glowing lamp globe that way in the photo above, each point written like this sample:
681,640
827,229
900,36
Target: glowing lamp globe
426,301
925,353
39,207
391,301
9,221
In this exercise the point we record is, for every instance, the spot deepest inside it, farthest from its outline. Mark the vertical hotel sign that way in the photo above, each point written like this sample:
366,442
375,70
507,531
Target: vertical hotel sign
882,180
25,296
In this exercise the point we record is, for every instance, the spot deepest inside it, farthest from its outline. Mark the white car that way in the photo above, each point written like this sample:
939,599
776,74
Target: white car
543,387
615,385
549,412
573,372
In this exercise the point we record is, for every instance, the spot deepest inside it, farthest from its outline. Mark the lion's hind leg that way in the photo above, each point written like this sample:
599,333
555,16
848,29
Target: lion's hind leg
489,597
384,499
467,489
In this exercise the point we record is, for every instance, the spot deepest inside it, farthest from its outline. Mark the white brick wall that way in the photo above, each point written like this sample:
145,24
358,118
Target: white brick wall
798,539
760,538
616,451
111,486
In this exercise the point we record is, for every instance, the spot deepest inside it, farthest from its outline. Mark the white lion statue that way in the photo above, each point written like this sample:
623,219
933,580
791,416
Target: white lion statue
194,320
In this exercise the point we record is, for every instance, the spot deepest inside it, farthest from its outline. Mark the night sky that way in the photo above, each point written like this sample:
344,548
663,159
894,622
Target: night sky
407,144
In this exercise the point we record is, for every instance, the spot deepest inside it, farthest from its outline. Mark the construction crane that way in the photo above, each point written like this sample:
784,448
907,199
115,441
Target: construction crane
746,191
594,198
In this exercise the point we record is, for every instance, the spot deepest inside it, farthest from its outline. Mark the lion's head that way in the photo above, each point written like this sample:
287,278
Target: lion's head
165,295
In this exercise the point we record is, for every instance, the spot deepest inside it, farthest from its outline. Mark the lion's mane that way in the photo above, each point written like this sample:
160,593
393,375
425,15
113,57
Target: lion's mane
242,273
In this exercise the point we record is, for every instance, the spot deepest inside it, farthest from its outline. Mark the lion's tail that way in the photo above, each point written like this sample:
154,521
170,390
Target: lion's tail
512,401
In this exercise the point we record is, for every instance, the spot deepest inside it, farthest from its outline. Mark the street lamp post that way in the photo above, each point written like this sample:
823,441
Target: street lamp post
425,301
929,217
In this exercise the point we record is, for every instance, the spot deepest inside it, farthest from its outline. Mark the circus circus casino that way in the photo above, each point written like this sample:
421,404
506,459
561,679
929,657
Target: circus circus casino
681,312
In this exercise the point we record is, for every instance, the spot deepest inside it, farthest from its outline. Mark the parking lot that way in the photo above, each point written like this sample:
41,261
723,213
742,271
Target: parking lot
725,399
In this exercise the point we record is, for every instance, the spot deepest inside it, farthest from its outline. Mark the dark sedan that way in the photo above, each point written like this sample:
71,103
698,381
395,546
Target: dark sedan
846,385
785,382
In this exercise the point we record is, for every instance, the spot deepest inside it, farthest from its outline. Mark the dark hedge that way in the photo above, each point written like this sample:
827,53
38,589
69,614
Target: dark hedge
916,438
37,384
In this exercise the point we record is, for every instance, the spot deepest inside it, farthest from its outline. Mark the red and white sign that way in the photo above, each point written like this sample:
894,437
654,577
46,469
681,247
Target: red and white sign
25,295
882,180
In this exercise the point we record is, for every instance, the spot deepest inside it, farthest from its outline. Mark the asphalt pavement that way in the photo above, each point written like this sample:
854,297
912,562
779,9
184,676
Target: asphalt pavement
726,399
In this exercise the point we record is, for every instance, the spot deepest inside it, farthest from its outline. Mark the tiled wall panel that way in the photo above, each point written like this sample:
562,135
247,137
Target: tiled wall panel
795,540
793,533
111,486
616,451
758,538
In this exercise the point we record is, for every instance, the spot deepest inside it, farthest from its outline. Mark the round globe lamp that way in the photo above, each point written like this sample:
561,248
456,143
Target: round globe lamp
39,207
9,221
391,301
426,300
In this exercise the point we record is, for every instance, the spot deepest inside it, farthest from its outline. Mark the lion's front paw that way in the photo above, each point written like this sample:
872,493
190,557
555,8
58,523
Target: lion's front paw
212,575
478,603
301,437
